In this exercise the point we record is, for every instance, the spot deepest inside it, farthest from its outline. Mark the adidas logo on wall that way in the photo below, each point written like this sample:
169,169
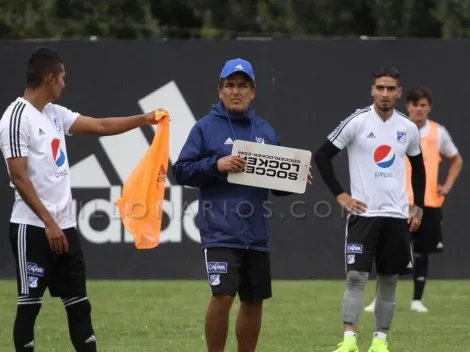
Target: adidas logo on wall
124,152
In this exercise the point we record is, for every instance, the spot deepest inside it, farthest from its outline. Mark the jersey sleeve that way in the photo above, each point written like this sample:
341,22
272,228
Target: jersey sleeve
446,144
344,133
67,116
414,146
14,136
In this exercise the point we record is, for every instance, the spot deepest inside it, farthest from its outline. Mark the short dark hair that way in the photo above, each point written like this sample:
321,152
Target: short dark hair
386,71
416,94
42,61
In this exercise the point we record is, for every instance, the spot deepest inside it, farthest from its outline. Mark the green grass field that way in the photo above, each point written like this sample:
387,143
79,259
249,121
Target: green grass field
152,316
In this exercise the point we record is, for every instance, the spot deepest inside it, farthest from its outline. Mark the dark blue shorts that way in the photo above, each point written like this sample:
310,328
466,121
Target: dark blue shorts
246,272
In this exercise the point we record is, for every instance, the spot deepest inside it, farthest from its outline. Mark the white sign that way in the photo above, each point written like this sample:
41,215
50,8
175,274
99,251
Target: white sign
271,166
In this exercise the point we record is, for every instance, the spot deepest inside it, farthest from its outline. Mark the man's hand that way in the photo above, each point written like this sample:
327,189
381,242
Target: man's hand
350,204
442,190
150,117
415,217
56,238
231,163
310,177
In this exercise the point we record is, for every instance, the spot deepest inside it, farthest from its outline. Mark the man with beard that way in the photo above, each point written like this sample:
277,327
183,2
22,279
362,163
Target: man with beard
436,142
378,139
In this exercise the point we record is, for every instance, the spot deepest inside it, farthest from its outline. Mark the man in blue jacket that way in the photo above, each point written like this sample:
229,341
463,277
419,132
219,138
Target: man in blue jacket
233,219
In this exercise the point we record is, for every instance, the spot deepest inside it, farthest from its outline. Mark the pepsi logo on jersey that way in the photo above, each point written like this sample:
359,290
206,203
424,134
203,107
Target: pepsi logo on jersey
59,157
57,153
384,157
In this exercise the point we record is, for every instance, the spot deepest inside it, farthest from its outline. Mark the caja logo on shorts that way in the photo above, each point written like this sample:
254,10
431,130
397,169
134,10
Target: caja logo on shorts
217,267
34,269
354,248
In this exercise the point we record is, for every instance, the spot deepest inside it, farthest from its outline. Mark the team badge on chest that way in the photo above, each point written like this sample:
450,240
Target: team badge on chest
401,136
57,125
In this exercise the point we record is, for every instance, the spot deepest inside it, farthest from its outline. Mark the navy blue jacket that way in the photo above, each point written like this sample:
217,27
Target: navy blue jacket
225,217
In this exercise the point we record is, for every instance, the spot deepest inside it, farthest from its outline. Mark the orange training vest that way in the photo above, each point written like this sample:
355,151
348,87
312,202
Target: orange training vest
141,203
432,158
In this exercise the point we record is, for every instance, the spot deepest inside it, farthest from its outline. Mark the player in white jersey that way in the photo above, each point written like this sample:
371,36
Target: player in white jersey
378,138
45,243
436,141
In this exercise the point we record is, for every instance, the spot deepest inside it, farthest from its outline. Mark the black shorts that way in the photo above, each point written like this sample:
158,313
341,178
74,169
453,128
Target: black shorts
428,237
38,268
385,239
246,272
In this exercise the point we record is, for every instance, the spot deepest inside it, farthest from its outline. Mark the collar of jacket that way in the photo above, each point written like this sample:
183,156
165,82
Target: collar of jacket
220,111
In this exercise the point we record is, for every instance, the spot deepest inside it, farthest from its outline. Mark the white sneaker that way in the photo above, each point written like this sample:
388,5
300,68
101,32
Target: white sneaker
370,308
417,306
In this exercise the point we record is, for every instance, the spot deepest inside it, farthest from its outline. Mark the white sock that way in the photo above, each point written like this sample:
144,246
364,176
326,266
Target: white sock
380,335
350,334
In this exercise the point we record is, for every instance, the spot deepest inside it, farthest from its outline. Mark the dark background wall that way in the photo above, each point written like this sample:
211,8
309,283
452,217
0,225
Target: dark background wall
304,89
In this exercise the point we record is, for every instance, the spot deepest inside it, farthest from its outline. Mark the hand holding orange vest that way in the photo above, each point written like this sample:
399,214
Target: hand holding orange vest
141,203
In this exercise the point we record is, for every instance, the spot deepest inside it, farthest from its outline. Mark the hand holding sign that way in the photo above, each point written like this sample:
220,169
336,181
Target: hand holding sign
231,163
271,166
310,177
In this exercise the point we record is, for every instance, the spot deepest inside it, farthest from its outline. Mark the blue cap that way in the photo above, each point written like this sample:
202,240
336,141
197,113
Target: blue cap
237,65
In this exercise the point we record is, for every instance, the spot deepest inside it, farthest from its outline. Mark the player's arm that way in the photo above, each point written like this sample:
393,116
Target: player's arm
323,159
108,126
18,166
418,172
449,149
456,164
74,122
193,168
19,177
336,141
15,140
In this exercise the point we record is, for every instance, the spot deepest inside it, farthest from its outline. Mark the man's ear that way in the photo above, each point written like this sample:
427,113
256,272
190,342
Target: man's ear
49,79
